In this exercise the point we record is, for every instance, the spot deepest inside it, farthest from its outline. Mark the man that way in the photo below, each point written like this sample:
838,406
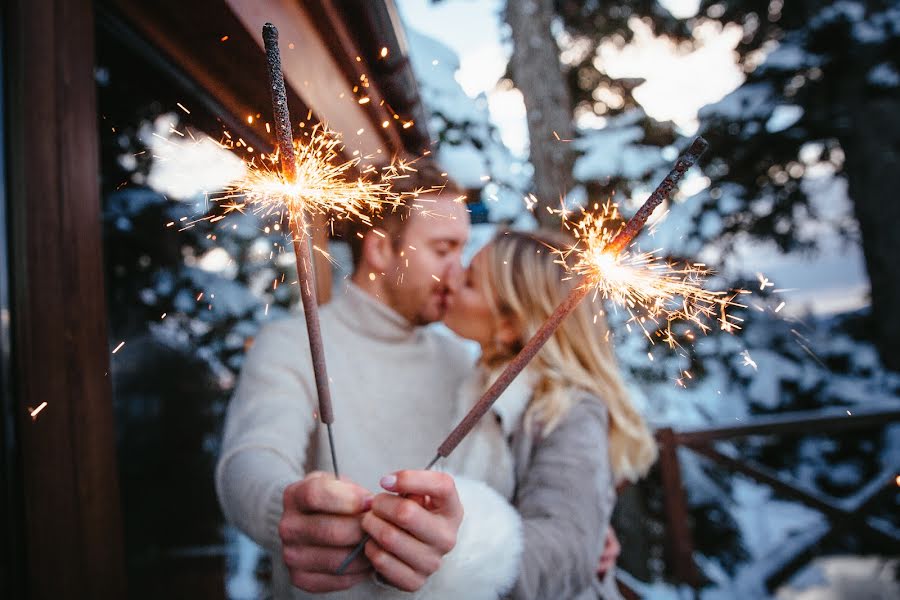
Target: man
393,387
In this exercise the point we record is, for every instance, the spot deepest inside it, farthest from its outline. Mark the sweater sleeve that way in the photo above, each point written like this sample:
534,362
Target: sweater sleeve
267,430
565,500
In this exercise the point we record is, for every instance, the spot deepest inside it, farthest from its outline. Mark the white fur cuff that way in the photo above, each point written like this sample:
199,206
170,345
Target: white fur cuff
485,562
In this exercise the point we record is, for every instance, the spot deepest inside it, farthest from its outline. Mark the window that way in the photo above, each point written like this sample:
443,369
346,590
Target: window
186,294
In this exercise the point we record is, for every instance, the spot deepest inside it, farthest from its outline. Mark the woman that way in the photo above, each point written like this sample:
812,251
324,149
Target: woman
565,433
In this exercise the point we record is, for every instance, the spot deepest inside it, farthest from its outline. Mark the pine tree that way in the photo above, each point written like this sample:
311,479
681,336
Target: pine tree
822,88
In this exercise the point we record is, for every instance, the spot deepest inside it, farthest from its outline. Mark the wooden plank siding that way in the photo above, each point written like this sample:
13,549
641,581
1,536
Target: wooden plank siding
71,497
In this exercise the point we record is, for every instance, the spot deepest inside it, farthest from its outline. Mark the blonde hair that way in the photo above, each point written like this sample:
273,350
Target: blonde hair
526,281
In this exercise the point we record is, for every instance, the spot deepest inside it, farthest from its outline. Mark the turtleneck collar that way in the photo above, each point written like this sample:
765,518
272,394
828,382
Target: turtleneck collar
369,316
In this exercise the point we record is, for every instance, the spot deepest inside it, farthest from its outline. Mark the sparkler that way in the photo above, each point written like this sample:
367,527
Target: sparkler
611,273
298,189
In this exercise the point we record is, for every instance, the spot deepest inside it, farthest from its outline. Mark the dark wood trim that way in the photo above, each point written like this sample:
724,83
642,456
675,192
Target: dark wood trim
12,566
806,422
72,513
188,36
679,541
354,64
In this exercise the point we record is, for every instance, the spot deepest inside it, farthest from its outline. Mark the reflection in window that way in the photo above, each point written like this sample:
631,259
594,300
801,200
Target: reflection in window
186,294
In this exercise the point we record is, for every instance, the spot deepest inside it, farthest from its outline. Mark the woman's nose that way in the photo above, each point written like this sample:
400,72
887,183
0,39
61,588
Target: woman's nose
454,274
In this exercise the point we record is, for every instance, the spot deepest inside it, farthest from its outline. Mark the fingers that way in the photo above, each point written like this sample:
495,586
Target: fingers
407,515
319,493
611,550
417,555
317,583
392,569
438,486
321,559
319,530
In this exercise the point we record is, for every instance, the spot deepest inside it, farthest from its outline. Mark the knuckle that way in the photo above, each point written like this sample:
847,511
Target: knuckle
445,485
376,555
388,538
284,530
405,514
448,542
299,579
432,564
412,583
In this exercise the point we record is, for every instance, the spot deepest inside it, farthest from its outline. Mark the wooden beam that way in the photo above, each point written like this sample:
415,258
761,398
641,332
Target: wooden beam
314,57
803,422
680,544
72,514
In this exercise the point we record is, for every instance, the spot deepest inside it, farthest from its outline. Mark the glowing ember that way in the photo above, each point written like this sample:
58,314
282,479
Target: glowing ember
35,412
645,285
322,184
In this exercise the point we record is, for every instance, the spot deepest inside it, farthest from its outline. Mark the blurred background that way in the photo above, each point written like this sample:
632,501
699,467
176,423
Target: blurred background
779,473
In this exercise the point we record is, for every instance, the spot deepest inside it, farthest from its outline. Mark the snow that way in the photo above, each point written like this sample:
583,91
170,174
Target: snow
767,523
241,582
750,101
469,147
783,117
840,577
790,56
614,152
884,75
874,28
435,66
464,163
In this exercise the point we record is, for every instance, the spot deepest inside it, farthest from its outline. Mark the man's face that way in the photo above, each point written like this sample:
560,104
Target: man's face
427,261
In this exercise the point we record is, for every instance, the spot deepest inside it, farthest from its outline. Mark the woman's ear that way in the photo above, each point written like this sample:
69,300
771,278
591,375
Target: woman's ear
378,250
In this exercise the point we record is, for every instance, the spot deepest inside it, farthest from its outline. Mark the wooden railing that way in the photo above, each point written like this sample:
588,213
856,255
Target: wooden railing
842,514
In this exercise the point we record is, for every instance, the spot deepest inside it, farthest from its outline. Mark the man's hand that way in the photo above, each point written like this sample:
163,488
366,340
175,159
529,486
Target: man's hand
411,535
320,525
611,550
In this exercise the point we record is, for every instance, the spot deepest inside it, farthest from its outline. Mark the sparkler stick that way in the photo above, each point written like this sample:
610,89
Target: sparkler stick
537,341
662,191
297,221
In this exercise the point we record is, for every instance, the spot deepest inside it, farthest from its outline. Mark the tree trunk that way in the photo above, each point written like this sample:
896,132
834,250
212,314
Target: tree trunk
873,175
538,74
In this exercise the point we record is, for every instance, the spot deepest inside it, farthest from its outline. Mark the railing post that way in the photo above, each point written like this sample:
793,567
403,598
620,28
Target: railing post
679,543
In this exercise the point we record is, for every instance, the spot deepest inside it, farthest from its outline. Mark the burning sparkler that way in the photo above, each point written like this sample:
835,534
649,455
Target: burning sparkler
294,196
613,273
300,181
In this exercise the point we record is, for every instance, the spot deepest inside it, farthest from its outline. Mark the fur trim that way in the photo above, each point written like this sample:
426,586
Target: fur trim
484,565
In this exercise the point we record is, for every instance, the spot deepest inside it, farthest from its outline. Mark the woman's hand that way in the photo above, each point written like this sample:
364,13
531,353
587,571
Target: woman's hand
411,535
611,551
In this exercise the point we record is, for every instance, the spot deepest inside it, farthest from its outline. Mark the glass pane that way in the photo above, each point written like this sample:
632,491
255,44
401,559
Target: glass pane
11,548
186,293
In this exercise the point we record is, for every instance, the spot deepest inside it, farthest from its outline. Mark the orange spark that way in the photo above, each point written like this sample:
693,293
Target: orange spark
34,413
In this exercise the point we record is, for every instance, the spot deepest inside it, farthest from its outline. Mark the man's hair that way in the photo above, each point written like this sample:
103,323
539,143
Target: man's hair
426,178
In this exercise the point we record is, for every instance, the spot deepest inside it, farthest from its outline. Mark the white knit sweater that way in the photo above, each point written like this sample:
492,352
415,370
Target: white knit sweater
393,388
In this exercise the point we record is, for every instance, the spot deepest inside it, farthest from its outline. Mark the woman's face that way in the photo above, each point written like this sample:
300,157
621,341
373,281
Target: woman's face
470,315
